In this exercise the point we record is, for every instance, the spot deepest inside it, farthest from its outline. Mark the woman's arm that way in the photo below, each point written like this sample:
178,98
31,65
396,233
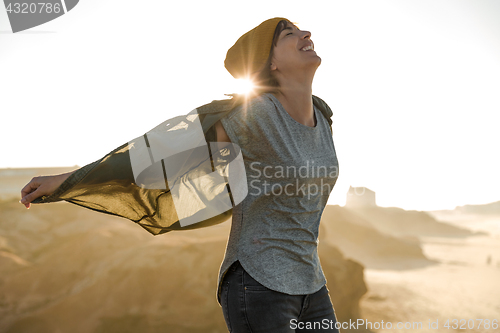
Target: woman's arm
221,133
42,185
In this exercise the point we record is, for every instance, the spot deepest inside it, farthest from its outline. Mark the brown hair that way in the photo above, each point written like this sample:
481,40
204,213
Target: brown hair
265,81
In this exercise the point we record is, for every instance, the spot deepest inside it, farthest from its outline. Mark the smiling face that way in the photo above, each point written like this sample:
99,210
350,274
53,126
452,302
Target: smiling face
294,52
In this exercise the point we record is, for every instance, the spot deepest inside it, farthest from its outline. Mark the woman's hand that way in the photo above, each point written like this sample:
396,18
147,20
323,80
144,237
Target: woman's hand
43,185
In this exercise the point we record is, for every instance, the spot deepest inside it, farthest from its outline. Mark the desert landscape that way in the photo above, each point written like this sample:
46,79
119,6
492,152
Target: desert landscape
64,268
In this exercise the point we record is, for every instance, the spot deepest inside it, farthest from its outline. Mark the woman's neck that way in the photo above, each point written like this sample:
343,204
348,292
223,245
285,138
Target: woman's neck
296,98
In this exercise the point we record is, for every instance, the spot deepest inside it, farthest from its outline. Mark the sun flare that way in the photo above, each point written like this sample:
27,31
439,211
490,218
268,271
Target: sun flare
243,86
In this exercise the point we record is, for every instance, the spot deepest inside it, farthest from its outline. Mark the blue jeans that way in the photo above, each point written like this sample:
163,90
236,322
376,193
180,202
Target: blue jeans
249,307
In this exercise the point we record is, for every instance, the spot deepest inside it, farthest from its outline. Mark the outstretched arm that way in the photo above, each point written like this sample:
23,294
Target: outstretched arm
109,185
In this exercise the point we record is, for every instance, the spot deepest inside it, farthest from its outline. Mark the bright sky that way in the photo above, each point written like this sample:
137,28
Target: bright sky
414,86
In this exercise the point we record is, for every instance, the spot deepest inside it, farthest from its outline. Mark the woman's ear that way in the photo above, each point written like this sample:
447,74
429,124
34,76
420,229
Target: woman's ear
272,67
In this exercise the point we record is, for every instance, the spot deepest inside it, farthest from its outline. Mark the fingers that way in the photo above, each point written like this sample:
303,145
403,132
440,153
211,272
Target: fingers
28,205
26,201
30,187
29,192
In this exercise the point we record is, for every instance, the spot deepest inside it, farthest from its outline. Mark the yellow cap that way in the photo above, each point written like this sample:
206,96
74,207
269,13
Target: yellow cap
250,52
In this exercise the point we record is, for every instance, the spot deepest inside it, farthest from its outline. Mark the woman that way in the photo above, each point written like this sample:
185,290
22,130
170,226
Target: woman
271,278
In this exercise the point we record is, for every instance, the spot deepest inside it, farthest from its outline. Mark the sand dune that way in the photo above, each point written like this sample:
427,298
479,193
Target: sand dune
403,223
462,285
68,269
492,208
359,239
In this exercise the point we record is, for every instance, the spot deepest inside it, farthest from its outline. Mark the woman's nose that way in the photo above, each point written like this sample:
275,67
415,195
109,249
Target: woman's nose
306,34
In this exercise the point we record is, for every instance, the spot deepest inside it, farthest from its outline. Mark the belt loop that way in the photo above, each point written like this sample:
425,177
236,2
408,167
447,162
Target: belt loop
235,266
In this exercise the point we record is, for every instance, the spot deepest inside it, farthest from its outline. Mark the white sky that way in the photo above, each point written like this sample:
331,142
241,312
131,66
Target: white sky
414,86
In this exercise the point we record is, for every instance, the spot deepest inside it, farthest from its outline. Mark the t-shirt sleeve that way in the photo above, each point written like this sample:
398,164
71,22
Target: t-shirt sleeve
250,122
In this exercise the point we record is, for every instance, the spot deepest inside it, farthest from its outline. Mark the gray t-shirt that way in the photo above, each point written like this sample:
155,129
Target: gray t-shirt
291,169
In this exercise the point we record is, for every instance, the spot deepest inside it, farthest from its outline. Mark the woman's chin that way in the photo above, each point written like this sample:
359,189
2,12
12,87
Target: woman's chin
316,61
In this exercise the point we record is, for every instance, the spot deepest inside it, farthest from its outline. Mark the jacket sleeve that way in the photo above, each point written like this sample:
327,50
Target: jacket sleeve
115,185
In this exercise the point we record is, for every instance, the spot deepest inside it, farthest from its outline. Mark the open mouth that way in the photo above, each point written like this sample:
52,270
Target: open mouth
307,48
